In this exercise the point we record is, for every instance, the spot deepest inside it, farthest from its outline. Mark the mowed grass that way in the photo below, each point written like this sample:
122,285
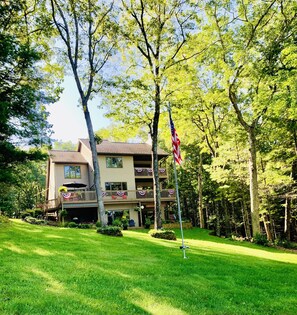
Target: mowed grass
47,270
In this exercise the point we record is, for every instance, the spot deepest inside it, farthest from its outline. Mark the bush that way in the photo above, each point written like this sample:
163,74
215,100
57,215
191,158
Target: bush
261,239
72,225
38,212
147,223
32,220
84,226
110,230
164,234
117,222
4,219
25,214
98,224
284,243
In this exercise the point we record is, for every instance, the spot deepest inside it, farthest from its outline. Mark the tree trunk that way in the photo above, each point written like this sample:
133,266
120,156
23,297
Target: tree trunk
218,221
207,216
287,227
246,220
254,193
157,193
267,226
154,135
200,194
97,177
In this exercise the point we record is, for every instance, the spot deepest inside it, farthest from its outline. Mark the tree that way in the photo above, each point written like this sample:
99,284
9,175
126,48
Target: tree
248,35
154,35
84,28
23,93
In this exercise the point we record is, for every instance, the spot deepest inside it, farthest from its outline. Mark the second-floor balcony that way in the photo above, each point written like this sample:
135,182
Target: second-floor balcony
83,199
115,196
148,172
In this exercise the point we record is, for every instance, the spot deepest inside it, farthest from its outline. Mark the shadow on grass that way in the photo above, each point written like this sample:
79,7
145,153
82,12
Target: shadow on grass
83,272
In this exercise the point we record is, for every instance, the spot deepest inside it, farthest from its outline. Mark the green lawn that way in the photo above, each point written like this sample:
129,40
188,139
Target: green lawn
47,270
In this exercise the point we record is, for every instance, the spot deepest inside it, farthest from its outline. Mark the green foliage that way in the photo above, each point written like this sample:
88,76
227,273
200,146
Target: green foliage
261,239
77,225
68,145
3,219
33,220
284,243
117,222
23,92
163,234
63,213
32,213
84,226
72,225
147,223
110,230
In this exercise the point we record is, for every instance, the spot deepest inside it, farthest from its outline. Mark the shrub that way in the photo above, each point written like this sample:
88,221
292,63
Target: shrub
110,230
4,219
147,223
72,225
164,234
98,224
284,243
38,212
261,239
25,214
32,220
117,222
84,226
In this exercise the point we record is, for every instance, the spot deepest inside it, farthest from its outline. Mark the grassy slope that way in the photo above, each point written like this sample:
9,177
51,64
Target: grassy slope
46,270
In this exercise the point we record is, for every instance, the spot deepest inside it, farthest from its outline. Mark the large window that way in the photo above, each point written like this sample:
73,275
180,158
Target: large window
115,186
114,162
72,171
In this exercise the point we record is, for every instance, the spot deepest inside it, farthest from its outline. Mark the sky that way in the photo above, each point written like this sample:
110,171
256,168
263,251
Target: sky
68,119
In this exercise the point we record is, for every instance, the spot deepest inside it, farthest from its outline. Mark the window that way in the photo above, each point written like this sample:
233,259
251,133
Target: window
115,186
72,171
114,162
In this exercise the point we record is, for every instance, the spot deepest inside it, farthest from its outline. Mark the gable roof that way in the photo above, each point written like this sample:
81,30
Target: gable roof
123,148
59,156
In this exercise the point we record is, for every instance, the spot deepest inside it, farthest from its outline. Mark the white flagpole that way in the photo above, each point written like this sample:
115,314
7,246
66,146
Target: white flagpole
183,247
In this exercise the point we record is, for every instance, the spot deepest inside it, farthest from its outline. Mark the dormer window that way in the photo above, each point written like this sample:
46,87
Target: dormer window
114,162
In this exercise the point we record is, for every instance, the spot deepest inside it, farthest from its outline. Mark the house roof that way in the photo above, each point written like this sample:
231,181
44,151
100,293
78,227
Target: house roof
123,148
58,156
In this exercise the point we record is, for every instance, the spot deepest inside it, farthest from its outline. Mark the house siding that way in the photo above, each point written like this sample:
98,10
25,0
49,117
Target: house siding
60,179
124,174
83,158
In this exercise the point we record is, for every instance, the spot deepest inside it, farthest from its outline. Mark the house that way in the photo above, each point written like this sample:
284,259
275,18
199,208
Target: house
126,180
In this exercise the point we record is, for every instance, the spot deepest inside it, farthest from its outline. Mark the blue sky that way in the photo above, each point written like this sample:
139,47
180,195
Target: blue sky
67,117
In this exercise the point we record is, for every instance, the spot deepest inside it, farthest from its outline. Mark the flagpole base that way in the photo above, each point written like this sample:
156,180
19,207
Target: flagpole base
183,247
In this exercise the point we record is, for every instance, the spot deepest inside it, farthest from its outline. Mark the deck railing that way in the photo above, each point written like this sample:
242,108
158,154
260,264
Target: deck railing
143,171
111,195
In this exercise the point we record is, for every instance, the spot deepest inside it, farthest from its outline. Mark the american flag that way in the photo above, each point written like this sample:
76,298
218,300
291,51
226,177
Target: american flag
175,142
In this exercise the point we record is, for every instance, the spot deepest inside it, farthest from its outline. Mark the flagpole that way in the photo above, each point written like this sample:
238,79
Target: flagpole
183,247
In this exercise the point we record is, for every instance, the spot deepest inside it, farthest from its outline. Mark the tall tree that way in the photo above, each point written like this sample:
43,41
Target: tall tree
24,90
155,34
84,28
248,34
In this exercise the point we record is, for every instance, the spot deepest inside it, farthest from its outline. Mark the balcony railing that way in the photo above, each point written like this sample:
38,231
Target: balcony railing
121,195
143,171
